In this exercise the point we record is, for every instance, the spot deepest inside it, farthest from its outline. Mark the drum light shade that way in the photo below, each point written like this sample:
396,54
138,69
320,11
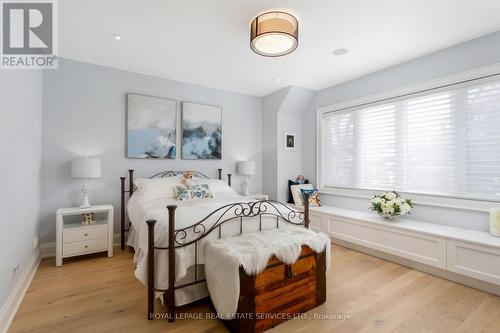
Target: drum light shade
274,34
246,168
84,167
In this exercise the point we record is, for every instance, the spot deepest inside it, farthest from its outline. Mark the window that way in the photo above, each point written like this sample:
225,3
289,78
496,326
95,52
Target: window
443,142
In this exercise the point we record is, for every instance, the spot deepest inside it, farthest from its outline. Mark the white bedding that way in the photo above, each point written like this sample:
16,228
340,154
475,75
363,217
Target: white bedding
141,209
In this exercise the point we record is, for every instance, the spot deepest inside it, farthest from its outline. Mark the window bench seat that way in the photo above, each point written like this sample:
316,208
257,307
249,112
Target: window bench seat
469,257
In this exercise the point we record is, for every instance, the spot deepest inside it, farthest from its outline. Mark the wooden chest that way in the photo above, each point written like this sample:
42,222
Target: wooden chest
280,292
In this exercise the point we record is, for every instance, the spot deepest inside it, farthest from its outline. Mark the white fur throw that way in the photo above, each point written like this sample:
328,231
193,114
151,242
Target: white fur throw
252,251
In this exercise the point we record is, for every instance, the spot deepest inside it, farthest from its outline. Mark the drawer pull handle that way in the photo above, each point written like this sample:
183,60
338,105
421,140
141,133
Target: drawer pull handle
86,246
86,234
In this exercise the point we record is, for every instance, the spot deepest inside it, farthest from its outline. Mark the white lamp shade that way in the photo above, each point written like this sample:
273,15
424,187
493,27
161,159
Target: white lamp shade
86,168
246,168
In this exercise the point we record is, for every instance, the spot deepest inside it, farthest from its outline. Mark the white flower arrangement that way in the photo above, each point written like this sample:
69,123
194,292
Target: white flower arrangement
390,205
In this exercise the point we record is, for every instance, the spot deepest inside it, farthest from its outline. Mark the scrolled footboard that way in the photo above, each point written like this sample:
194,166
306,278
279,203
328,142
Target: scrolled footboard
178,238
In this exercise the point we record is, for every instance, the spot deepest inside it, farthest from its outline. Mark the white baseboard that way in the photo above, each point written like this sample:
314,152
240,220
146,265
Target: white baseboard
48,250
11,305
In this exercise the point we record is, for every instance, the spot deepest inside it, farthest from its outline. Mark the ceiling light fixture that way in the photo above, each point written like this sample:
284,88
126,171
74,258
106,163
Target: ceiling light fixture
340,52
274,34
116,37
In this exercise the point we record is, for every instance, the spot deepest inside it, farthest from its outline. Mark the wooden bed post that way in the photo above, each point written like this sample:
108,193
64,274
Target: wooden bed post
151,268
229,179
306,210
220,174
122,213
171,263
131,182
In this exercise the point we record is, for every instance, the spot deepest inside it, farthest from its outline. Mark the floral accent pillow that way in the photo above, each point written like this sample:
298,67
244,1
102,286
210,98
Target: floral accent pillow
182,192
185,192
314,200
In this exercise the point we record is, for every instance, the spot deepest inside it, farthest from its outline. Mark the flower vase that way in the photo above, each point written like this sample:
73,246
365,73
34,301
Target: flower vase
390,218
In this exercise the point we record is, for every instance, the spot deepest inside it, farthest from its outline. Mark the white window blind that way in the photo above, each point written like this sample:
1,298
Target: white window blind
445,142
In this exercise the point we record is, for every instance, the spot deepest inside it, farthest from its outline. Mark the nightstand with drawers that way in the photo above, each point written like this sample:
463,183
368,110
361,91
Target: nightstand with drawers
75,238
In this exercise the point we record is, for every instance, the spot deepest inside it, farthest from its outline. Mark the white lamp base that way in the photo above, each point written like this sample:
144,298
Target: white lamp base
246,181
85,192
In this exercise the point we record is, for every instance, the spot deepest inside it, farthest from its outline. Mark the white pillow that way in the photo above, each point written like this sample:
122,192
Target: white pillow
157,187
297,195
218,187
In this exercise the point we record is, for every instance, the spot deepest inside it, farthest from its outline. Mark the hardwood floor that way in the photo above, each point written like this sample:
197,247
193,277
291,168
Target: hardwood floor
364,294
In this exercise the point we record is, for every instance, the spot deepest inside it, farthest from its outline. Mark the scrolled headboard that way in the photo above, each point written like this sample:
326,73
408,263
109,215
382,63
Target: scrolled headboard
132,188
173,173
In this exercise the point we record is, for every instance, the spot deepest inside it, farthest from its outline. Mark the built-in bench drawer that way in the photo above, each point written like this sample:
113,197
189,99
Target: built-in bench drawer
465,253
420,247
82,234
88,246
315,222
474,260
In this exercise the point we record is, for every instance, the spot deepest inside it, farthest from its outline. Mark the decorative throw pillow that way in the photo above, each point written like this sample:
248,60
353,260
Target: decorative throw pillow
290,183
182,192
314,200
200,192
193,192
297,195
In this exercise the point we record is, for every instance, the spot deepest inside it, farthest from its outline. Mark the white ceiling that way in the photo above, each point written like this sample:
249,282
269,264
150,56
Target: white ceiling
206,42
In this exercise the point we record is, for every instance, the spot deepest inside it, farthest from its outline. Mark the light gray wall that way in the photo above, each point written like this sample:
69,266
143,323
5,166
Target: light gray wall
289,161
270,107
290,120
21,149
84,114
476,53
282,114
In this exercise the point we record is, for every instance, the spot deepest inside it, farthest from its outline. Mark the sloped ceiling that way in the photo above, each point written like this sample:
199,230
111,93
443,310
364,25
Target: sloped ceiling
207,42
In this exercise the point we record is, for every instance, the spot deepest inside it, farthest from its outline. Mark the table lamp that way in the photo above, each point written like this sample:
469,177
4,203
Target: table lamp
247,169
84,167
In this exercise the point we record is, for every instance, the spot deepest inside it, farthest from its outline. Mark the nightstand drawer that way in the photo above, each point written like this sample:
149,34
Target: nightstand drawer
91,245
83,234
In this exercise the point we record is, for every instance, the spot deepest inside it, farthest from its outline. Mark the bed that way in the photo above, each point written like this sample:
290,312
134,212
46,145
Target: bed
155,222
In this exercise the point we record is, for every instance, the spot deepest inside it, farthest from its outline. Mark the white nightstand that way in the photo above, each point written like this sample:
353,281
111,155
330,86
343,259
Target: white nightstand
74,239
257,196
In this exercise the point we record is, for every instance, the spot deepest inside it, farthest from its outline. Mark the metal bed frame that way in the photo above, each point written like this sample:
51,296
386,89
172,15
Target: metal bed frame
178,238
